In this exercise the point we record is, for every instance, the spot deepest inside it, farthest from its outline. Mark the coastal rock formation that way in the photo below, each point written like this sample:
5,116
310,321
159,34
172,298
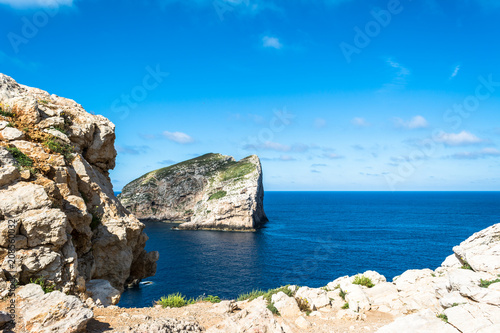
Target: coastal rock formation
209,192
452,298
58,213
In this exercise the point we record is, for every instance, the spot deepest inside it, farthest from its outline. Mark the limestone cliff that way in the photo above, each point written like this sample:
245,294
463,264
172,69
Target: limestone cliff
57,205
209,192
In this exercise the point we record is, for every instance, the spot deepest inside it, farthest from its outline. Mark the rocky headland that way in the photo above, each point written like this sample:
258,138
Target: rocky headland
210,192
60,223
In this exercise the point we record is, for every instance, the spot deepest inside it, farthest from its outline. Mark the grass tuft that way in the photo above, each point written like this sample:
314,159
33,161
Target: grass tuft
21,159
174,301
46,286
60,148
345,306
443,317
342,294
486,284
212,299
217,195
363,281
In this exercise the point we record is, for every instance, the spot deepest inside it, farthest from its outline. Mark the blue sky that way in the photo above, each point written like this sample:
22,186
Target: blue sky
331,94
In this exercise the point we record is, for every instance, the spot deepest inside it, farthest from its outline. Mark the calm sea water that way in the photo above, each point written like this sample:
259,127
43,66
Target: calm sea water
313,238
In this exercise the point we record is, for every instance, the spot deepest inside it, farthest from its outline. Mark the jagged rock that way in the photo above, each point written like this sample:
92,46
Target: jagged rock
8,175
469,318
209,192
103,291
424,321
70,228
225,307
481,250
287,306
11,134
302,323
452,262
254,317
452,299
356,297
316,298
22,197
52,312
384,297
165,325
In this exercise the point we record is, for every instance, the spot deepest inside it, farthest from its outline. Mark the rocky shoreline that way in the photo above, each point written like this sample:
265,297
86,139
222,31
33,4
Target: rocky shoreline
462,295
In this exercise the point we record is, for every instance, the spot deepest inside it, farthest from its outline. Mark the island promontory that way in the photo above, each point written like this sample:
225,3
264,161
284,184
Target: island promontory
210,192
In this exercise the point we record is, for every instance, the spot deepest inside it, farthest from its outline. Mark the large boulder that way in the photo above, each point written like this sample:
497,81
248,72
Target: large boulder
423,321
315,297
481,251
103,291
52,312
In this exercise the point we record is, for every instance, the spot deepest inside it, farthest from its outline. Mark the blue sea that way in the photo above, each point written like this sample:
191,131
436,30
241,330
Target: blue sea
313,238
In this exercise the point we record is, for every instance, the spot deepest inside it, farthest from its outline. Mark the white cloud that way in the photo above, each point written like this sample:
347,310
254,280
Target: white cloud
360,122
401,74
486,152
36,3
178,137
332,156
272,42
460,139
269,145
414,123
455,72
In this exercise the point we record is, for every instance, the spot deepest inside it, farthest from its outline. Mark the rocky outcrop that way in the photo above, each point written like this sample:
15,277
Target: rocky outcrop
51,312
209,192
58,213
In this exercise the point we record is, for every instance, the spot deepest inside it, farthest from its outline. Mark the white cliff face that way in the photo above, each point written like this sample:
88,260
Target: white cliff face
209,192
69,228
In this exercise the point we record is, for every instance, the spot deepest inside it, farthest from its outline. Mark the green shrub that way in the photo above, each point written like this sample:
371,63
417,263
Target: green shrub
251,295
443,317
273,309
237,170
21,159
218,195
212,299
345,306
47,287
174,301
466,266
60,148
7,113
342,294
60,129
486,284
363,281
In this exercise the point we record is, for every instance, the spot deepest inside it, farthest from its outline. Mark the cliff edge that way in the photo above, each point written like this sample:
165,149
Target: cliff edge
210,192
58,214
